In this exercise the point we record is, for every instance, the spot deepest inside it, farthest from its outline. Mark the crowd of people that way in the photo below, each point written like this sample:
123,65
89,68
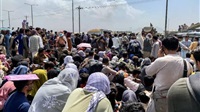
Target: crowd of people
136,72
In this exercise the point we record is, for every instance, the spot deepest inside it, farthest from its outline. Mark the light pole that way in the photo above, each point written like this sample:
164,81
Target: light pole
166,14
73,16
31,10
1,13
79,16
8,17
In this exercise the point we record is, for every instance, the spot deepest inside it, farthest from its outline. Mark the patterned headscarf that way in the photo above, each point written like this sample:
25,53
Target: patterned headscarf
100,84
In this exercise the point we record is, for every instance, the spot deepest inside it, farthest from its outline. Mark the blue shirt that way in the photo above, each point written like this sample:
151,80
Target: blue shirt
17,102
19,38
7,39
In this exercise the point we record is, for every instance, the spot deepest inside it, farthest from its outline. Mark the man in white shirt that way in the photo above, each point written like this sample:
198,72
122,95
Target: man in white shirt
35,42
116,41
187,43
168,68
155,47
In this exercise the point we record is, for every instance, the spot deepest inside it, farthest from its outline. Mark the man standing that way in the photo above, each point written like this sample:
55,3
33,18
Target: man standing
35,43
116,41
103,41
155,47
187,43
7,42
25,43
147,46
168,68
17,101
19,39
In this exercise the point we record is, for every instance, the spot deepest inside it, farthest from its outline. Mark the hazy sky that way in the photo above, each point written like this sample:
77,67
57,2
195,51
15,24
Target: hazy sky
119,15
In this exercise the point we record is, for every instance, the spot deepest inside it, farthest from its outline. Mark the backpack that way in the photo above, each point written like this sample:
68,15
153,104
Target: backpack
194,87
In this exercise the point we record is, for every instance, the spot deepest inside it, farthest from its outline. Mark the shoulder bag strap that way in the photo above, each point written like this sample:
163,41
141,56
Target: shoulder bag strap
185,69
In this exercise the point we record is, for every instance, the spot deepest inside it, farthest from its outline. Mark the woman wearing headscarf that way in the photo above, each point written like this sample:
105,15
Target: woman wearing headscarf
53,94
91,98
130,102
68,59
8,87
42,74
129,96
71,65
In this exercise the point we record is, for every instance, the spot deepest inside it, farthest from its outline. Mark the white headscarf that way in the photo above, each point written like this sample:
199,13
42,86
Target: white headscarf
68,59
53,94
71,65
115,59
149,36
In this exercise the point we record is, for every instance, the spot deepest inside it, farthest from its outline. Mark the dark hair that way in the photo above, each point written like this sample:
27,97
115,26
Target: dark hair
112,95
132,107
77,64
84,77
65,31
52,59
91,53
13,33
40,50
61,60
105,60
170,43
122,66
196,38
188,55
21,30
196,54
143,97
37,28
49,65
136,71
52,73
125,55
27,30
155,37
96,57
20,85
119,79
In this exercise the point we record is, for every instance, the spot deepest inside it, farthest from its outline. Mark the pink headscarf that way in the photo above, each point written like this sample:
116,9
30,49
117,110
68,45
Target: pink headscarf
5,90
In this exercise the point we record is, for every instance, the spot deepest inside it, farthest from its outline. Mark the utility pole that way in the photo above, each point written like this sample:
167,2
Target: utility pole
8,17
31,10
166,14
79,16
73,16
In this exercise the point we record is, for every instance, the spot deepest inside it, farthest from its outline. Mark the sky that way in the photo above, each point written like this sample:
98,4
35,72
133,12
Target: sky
116,15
